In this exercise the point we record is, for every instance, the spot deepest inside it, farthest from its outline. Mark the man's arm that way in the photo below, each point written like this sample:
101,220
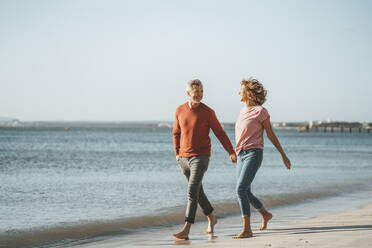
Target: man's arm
222,136
176,136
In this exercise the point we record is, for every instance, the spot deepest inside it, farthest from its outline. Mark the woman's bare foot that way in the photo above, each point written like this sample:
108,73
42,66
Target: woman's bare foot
243,235
182,235
212,221
265,219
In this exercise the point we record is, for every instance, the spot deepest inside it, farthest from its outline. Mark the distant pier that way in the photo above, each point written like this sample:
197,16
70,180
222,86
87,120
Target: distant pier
336,127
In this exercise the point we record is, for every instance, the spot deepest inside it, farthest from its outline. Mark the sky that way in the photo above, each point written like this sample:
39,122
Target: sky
130,60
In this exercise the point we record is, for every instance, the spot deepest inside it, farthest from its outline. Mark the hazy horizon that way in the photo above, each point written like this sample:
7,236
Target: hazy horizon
160,121
130,60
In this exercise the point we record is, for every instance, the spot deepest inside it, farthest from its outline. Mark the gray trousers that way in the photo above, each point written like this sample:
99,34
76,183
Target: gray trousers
194,168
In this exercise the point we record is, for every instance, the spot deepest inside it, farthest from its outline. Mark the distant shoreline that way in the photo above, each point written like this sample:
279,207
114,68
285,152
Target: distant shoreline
300,126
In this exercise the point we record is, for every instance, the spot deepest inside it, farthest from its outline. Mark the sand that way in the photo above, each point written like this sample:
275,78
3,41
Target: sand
348,229
344,229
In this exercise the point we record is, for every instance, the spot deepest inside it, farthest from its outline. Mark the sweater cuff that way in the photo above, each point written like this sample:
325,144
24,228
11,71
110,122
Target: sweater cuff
232,152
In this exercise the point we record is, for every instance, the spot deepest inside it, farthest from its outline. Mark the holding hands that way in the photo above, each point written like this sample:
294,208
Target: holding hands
232,157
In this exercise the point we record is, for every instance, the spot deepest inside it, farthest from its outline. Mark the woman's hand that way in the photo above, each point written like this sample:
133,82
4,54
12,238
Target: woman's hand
286,162
272,137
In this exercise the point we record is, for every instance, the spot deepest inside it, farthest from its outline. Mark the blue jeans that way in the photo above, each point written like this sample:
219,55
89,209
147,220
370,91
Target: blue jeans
249,161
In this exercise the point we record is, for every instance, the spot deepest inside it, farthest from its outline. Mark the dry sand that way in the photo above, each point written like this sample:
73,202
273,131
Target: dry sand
350,229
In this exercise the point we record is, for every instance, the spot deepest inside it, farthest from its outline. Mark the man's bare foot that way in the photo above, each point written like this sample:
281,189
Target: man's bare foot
211,222
265,219
182,235
243,235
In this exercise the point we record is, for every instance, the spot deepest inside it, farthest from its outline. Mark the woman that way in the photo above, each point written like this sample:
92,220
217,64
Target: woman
249,128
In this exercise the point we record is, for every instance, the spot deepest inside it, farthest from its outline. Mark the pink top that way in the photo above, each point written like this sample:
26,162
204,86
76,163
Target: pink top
249,128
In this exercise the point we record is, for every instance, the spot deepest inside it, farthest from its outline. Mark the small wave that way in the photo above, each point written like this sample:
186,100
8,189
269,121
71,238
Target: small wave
162,217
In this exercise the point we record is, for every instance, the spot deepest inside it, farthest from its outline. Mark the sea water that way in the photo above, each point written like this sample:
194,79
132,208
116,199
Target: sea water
121,178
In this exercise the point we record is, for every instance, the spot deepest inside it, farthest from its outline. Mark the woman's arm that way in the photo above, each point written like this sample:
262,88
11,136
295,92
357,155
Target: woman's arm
272,137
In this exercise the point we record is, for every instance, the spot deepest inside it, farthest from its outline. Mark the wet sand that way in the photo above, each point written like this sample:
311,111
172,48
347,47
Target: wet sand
352,228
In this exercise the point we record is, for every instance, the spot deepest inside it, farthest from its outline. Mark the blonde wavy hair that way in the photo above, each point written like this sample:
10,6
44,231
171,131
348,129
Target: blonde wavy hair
254,91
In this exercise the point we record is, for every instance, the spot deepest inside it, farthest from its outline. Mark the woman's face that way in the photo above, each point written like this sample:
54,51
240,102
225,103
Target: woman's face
242,95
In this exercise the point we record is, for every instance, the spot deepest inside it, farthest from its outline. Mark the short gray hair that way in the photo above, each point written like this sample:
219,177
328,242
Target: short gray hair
193,82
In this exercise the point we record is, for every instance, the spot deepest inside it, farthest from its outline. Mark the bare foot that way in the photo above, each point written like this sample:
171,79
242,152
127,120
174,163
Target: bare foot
211,223
265,219
243,235
181,235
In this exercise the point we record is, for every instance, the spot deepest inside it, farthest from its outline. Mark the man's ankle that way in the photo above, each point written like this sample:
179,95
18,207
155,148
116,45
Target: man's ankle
263,211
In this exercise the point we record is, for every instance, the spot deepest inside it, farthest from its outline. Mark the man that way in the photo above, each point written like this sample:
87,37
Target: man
192,147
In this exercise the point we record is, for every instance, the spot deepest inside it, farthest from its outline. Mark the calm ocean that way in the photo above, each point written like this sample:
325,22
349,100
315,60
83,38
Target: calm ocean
109,180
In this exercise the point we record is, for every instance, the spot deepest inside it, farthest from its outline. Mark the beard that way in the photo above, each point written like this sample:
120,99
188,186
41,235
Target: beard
197,99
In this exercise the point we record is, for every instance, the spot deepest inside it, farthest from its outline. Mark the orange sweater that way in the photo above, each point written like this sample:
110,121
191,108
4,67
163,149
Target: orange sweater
191,131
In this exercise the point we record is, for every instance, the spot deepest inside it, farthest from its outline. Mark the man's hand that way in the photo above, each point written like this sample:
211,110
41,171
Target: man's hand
233,157
177,157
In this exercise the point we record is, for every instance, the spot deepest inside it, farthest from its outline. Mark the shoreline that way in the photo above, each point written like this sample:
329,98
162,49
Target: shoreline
296,225
284,207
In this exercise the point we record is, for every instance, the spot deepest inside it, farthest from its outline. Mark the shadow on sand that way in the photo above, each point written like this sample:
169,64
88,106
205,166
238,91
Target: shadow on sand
308,230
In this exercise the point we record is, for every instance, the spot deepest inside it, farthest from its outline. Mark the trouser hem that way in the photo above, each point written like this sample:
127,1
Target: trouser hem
209,211
190,220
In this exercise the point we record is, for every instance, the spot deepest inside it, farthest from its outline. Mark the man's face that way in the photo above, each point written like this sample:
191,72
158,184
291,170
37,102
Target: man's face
196,94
